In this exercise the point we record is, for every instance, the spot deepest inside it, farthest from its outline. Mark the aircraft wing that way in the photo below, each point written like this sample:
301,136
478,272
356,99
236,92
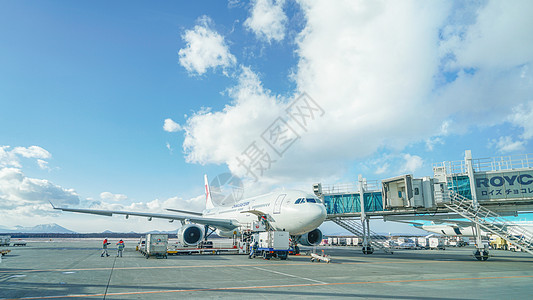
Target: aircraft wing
226,224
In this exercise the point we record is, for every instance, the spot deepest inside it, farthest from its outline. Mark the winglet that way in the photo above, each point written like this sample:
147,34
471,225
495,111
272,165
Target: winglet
52,204
208,200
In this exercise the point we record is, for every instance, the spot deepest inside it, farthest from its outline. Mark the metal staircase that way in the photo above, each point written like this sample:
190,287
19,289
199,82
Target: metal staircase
491,222
354,226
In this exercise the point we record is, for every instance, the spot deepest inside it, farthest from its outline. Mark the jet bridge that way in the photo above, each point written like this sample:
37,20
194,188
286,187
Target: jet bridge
479,190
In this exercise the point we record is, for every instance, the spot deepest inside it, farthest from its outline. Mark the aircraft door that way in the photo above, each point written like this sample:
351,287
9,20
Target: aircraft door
277,204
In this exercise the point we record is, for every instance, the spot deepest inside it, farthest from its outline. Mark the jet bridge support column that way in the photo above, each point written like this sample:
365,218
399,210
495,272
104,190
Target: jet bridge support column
480,253
365,222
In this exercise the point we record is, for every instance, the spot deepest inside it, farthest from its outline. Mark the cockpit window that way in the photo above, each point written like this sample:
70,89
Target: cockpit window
300,201
308,200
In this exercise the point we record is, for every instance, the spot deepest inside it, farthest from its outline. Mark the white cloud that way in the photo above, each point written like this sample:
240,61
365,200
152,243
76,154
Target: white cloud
384,168
43,164
217,137
506,144
438,139
411,163
24,196
205,49
375,68
171,126
32,152
523,117
11,158
169,147
8,157
393,164
267,20
500,37
107,196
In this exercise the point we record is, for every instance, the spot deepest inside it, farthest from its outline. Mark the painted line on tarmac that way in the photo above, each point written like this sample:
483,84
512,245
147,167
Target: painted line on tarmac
285,274
270,287
217,266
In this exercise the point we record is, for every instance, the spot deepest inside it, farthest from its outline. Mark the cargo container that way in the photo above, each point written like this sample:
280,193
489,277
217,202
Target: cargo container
155,245
436,243
342,241
270,244
422,242
348,241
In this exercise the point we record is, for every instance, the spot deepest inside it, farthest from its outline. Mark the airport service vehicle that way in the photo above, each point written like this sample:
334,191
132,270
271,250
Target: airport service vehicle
436,243
319,258
405,243
497,242
270,244
4,240
296,212
155,245
422,242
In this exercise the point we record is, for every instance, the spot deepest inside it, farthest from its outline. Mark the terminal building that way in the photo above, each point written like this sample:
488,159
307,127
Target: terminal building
480,191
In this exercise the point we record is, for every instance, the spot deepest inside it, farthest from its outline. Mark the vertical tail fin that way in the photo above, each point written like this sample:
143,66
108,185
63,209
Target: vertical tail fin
208,200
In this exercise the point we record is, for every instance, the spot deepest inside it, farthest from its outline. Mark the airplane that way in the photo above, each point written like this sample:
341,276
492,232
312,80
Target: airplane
297,212
464,228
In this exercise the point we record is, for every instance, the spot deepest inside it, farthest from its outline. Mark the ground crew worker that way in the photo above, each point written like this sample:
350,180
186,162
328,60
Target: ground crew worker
120,248
104,247
253,249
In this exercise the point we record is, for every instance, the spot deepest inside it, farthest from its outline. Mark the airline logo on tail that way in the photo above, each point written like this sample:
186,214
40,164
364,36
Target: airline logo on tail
208,200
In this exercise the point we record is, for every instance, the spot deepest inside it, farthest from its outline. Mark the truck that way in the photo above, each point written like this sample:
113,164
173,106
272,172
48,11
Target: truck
155,245
5,240
436,243
497,242
270,244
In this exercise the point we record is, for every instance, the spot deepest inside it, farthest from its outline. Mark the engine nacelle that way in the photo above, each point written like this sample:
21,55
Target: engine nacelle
190,234
228,233
312,238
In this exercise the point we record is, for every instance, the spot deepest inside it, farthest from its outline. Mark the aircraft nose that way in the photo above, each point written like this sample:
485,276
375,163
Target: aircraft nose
318,213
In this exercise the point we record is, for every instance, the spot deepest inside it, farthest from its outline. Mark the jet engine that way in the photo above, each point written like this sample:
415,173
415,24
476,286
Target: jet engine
190,234
312,238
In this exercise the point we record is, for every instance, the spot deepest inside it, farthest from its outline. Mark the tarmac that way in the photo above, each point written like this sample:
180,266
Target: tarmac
70,268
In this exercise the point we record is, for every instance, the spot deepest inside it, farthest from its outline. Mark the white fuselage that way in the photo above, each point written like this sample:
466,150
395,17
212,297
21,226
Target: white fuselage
285,210
454,230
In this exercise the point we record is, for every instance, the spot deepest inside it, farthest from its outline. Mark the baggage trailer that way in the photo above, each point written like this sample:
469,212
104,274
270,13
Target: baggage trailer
155,245
215,251
270,244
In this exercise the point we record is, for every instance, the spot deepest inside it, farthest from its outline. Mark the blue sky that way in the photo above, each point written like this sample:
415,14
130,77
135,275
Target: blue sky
85,89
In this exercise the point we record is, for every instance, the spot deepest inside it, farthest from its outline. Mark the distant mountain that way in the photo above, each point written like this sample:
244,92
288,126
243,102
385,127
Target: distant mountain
42,228
162,232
